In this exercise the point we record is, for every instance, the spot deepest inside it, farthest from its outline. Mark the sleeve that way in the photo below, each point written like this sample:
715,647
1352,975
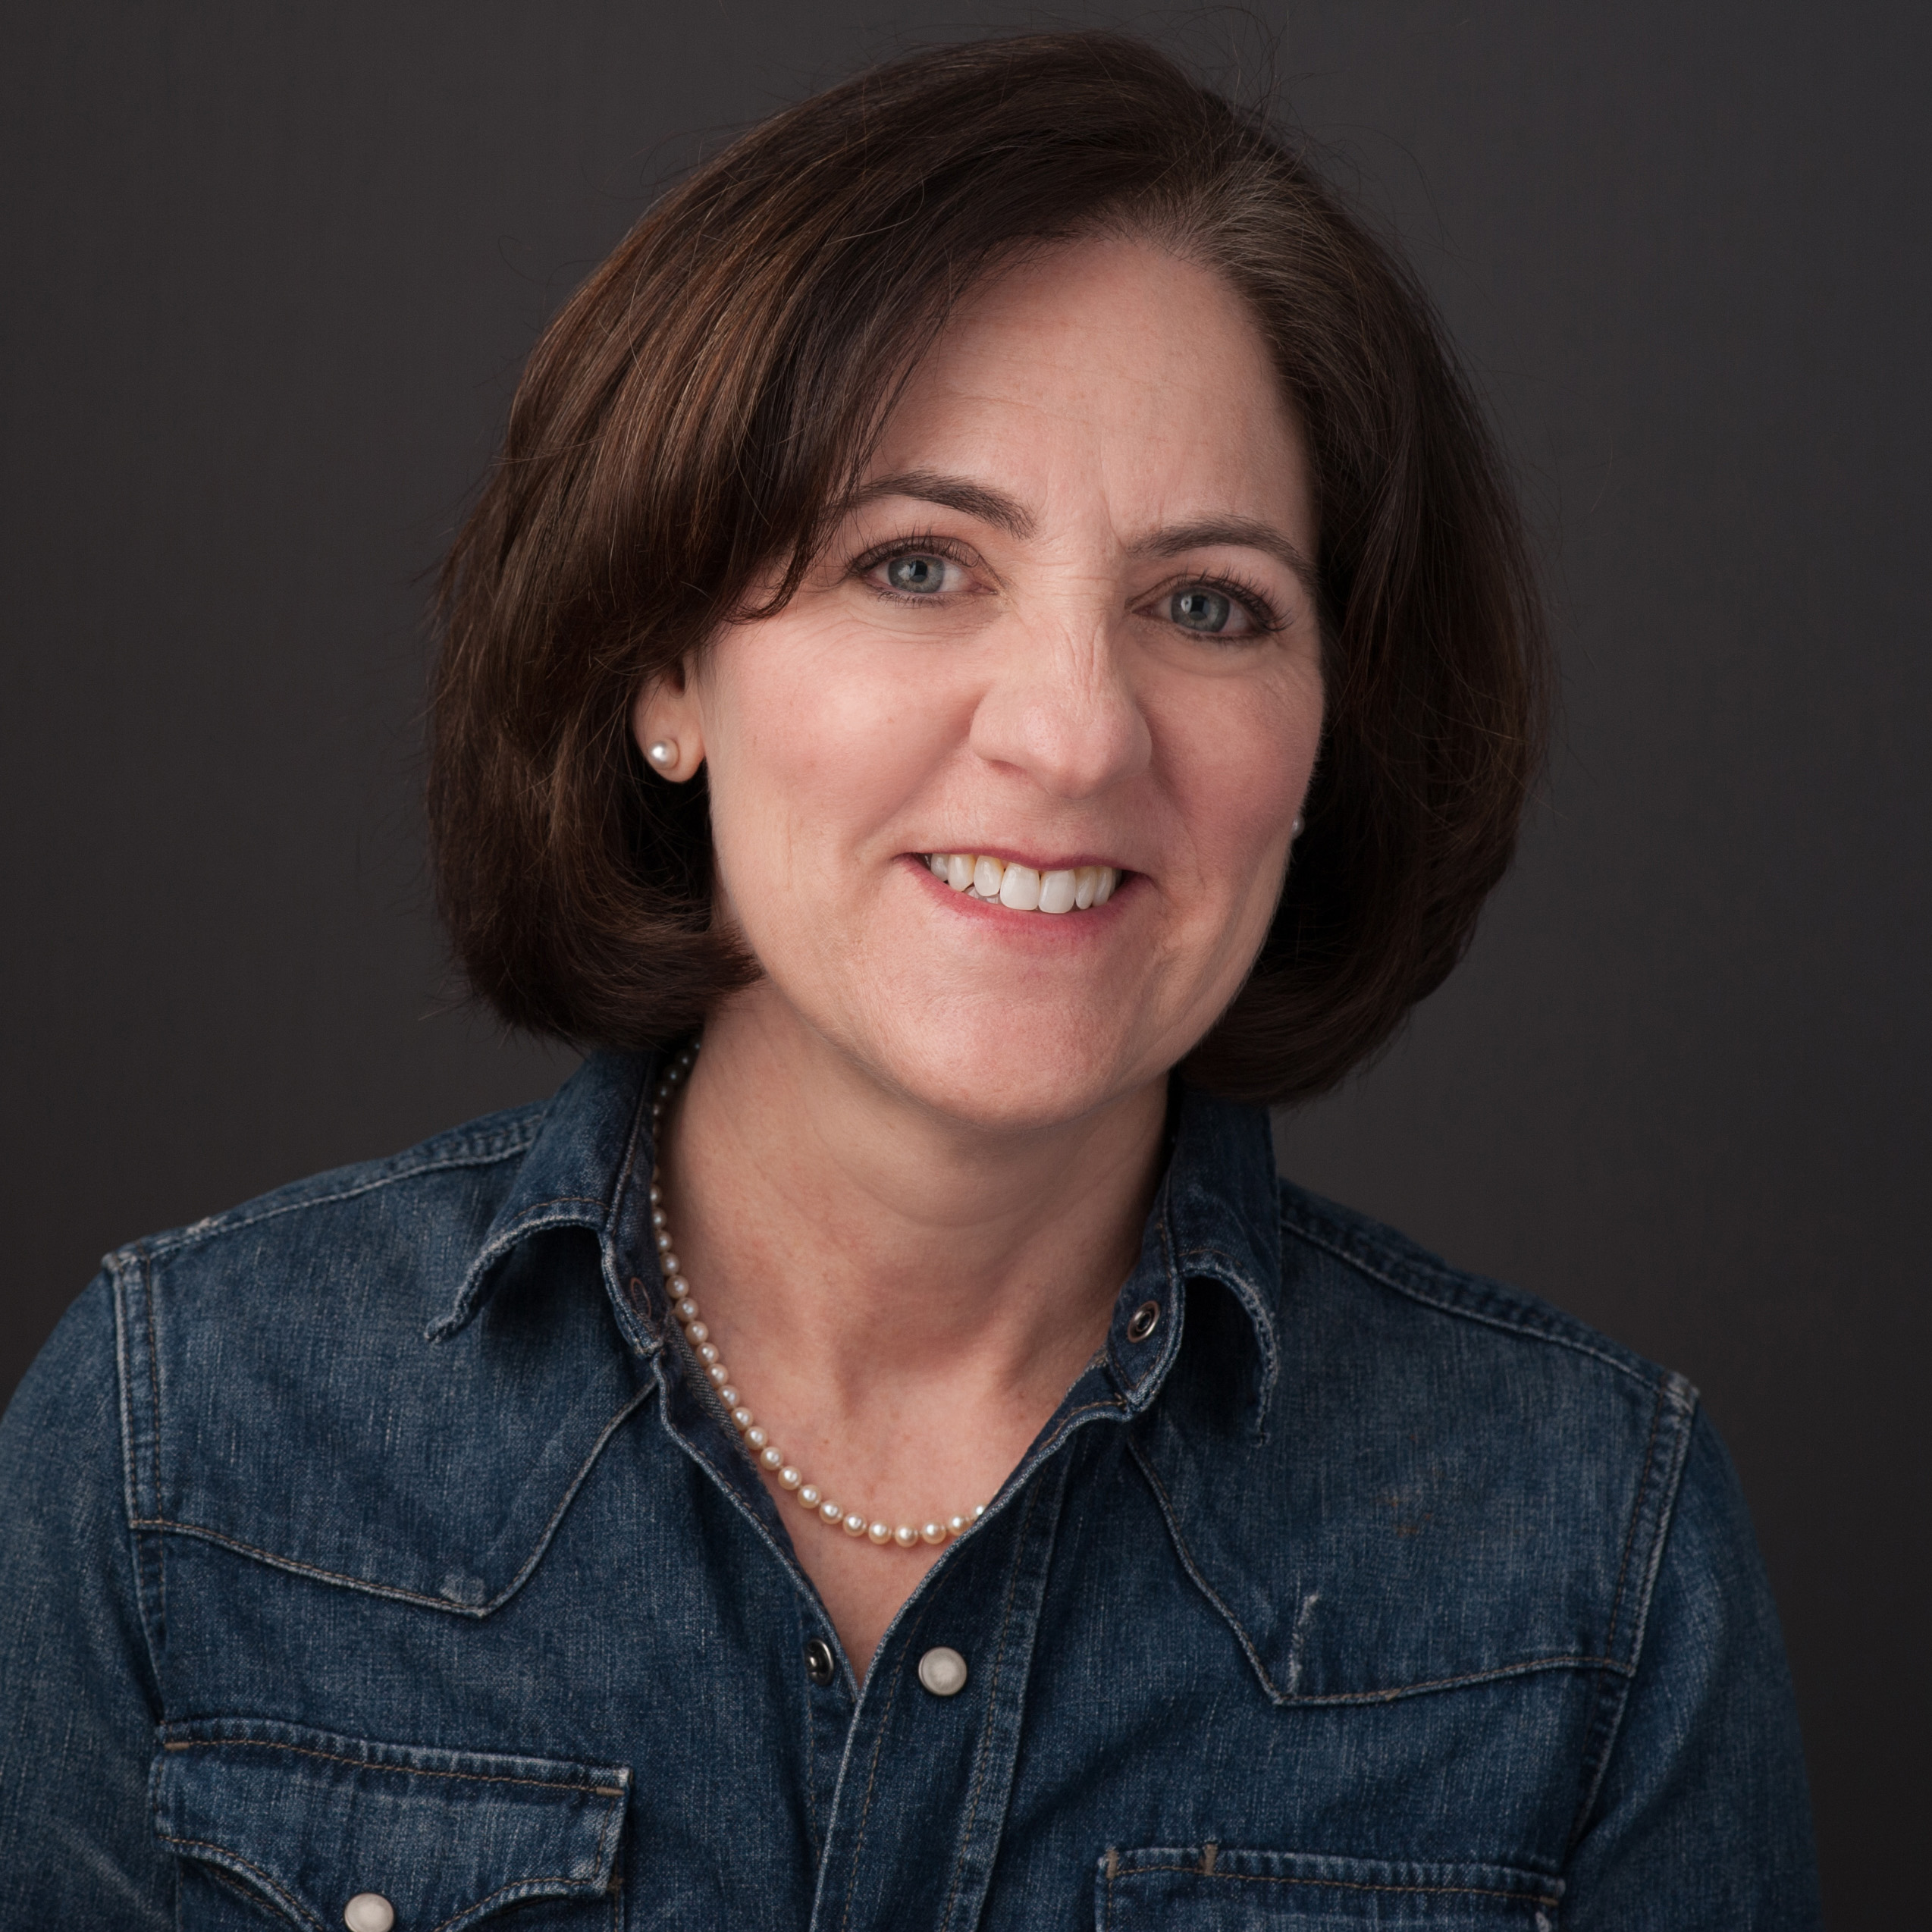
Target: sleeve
1702,1818
76,1682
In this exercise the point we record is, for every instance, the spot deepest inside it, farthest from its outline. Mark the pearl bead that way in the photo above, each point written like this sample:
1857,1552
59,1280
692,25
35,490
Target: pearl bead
756,1438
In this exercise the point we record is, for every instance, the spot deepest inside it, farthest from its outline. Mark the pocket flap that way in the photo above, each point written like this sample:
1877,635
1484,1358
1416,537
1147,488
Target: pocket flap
1214,1888
306,1820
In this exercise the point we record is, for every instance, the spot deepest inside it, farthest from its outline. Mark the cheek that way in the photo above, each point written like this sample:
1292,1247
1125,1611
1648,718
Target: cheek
812,748
1242,766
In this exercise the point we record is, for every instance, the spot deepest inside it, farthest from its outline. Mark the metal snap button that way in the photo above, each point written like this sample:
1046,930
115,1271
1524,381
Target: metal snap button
943,1672
820,1664
1143,1321
368,1911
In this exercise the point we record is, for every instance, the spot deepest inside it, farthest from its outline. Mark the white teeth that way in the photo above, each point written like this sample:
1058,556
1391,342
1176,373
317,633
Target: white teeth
1022,887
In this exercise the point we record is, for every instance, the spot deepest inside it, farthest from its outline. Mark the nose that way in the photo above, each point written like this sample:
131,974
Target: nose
1061,708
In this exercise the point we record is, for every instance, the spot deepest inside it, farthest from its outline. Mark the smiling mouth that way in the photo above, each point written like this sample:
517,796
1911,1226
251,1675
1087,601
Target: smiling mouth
1021,888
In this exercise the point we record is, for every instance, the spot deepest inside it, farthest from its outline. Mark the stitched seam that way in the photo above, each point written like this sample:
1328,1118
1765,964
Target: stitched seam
604,1832
986,1731
1491,1673
1525,1328
1364,1885
872,1775
150,1312
173,1244
1636,1511
378,1764
295,1906
397,1592
152,1608
154,1387
1250,1293
521,1886
1610,1716
1194,1570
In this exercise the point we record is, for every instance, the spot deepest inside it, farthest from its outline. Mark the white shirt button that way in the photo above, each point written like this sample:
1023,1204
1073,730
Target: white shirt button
368,1911
943,1672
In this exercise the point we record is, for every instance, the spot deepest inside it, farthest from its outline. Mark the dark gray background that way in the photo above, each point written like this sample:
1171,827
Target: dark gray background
270,272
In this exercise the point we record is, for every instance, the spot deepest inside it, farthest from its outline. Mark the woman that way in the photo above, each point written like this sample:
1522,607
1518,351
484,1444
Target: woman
996,617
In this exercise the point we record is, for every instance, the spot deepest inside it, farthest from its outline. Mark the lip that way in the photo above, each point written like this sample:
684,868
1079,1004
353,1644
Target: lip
1012,855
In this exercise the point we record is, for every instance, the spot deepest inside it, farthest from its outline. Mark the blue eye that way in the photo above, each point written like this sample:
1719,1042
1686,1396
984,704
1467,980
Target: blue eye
1198,608
917,574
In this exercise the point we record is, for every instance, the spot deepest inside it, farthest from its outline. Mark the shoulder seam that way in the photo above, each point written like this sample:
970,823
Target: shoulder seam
509,1146
1526,1326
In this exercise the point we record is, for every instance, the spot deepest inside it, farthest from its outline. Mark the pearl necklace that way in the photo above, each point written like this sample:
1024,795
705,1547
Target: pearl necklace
763,1451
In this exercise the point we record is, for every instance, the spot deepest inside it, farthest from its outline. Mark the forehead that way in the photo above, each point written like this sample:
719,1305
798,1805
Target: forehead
1110,364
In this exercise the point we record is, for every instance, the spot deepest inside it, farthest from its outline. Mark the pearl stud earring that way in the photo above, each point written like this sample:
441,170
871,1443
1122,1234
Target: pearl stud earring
1299,827
664,754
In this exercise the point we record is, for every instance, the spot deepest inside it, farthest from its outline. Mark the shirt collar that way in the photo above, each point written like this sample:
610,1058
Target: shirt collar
588,1167
1215,1217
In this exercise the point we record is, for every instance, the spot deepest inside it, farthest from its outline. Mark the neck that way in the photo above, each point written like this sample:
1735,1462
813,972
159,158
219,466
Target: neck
854,1233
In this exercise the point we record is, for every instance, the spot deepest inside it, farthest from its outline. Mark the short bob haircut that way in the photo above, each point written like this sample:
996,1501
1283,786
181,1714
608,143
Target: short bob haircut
689,424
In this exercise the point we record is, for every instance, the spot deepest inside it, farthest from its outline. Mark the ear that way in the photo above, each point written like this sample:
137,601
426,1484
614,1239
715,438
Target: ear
667,724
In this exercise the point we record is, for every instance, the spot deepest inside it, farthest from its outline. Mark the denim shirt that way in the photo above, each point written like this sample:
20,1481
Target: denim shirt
374,1541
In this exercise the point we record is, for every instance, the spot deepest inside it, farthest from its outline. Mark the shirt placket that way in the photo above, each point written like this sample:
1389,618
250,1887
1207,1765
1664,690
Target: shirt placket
928,1768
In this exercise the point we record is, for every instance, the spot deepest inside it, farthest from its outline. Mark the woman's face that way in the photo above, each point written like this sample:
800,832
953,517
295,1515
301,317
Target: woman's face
1067,624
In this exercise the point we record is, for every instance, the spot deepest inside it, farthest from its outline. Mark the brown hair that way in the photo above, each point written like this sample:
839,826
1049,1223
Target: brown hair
686,424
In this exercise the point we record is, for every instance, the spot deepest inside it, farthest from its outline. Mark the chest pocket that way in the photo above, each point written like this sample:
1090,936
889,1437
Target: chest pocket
277,1824
1206,1888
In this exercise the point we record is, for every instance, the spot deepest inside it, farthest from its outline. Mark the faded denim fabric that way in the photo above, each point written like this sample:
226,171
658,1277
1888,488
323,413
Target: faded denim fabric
375,1537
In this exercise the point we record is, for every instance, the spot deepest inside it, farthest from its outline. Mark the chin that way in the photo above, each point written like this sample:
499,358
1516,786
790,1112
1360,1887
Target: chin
1002,1074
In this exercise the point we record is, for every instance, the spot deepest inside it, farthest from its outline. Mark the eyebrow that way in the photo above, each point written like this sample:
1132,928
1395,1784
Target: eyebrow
1240,532
989,505
1007,513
